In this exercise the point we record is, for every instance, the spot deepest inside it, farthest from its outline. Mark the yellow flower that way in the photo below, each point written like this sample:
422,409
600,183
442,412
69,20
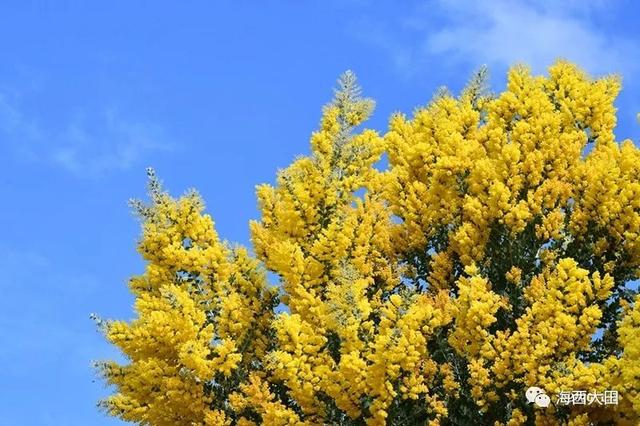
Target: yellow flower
483,260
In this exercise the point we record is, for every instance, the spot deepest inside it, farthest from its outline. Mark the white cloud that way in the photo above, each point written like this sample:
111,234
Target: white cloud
500,33
90,144
504,32
15,129
111,143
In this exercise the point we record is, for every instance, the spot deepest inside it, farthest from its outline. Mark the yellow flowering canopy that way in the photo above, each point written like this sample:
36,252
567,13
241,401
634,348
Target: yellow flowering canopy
430,275
204,314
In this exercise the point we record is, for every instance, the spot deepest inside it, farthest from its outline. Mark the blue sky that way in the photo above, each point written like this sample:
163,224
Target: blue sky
217,96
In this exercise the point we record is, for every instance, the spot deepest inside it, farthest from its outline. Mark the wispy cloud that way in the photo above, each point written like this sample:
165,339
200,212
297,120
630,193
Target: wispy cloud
13,261
111,143
503,32
15,129
500,33
90,144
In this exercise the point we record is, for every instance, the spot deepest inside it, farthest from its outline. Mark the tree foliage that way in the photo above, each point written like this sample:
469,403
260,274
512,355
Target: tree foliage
494,252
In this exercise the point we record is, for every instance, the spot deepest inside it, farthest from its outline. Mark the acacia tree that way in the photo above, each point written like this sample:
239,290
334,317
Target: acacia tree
204,313
494,252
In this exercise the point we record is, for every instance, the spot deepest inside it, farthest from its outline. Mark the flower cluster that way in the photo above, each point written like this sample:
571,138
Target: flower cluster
204,314
494,252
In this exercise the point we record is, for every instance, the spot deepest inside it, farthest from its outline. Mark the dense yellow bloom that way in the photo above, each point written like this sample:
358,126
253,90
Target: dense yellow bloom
480,182
476,308
493,253
204,311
